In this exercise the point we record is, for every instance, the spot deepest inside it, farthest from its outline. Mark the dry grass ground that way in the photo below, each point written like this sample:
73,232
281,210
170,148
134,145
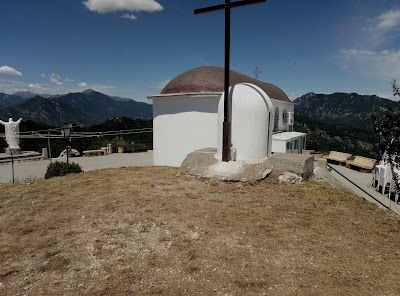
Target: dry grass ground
147,231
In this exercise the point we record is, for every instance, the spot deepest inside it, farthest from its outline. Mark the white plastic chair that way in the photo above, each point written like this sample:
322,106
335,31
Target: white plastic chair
393,194
378,179
386,179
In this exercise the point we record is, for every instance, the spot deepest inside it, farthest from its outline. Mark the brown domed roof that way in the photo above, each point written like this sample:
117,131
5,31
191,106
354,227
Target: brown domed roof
211,79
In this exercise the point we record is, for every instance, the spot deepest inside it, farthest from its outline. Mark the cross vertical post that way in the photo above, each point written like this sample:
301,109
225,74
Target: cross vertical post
226,132
227,126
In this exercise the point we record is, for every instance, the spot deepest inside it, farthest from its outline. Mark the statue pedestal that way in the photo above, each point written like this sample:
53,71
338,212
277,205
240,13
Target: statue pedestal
14,151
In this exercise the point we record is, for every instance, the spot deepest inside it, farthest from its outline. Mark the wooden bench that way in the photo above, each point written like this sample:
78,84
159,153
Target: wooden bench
339,157
365,164
94,152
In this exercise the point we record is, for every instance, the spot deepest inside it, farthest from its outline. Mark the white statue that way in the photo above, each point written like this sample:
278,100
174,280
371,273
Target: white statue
12,132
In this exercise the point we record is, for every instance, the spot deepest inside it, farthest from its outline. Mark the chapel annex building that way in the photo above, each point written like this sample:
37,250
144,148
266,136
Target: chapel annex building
185,115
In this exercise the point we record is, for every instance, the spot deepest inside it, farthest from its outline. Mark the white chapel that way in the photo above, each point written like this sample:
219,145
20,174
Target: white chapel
187,117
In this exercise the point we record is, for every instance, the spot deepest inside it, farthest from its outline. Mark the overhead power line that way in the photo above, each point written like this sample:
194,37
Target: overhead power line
39,135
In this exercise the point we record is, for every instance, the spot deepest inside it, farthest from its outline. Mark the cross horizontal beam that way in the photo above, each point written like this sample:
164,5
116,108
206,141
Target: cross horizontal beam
231,5
227,126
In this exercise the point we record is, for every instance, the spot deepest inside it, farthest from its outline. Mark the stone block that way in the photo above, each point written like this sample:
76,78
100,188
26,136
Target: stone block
321,163
289,178
109,148
300,164
199,159
45,153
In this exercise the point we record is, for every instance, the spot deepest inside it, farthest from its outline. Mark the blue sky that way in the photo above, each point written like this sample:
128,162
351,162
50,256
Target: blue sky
132,48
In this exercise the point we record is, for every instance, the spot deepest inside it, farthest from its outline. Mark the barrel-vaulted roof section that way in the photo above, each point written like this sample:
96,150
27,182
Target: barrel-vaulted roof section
211,79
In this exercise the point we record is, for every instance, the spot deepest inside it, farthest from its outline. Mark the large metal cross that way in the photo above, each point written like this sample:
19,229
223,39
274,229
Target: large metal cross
226,133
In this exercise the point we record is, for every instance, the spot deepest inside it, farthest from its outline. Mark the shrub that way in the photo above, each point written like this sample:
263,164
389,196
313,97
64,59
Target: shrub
57,168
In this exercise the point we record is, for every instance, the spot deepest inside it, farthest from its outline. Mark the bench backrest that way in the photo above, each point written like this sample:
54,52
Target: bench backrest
339,155
365,161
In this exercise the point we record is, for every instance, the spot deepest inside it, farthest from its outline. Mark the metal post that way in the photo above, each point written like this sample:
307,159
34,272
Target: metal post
226,133
48,144
12,164
227,127
66,147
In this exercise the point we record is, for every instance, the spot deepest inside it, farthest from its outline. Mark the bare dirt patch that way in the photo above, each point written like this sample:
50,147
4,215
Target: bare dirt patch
152,231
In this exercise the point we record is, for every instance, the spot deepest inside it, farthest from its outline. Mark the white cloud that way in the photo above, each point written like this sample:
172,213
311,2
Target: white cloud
9,71
36,86
55,79
380,31
128,16
69,80
164,83
97,87
101,87
106,6
388,20
43,75
380,65
11,86
294,95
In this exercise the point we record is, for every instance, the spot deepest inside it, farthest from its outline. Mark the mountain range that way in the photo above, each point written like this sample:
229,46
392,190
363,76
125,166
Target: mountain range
338,121
348,109
86,108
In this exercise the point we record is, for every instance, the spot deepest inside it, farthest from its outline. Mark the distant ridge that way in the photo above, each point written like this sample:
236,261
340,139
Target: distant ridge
337,121
86,108
51,112
103,107
26,94
348,109
10,100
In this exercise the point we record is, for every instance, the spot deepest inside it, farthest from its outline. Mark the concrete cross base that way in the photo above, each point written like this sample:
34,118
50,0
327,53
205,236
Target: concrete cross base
202,163
13,151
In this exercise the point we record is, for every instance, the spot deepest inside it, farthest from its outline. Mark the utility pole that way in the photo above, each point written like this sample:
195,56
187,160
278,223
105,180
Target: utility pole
226,133
256,72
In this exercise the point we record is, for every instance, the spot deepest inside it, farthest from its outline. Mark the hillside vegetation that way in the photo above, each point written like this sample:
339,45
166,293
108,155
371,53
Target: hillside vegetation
338,121
339,137
348,109
152,231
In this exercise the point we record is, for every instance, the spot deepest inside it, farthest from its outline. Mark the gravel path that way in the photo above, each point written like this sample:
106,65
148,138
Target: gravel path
33,170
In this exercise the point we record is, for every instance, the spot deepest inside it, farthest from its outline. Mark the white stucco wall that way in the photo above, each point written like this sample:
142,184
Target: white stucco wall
283,108
252,110
297,140
278,146
182,124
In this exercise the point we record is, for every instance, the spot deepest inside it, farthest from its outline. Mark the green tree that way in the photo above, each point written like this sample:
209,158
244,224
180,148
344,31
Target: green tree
312,141
386,123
